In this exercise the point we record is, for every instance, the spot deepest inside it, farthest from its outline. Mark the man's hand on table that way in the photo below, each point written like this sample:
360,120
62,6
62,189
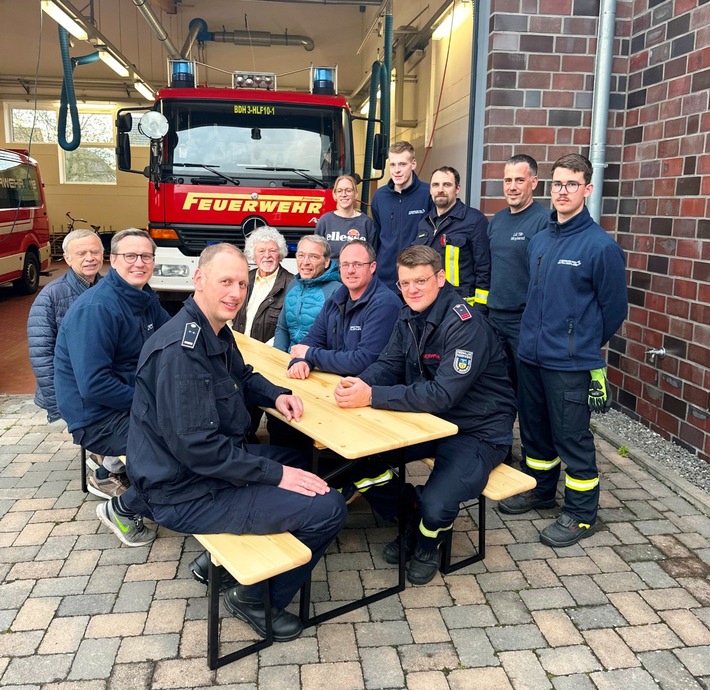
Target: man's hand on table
299,370
298,351
353,392
302,482
290,406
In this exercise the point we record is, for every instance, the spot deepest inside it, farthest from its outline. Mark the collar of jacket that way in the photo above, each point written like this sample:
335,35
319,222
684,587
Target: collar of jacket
575,224
458,211
138,300
407,190
215,343
342,294
436,311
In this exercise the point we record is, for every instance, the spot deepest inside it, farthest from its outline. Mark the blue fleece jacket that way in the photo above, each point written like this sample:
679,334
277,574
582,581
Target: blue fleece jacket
97,349
347,336
397,216
577,295
303,302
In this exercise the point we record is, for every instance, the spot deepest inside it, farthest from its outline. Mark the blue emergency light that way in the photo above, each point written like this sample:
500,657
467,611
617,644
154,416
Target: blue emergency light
324,80
182,73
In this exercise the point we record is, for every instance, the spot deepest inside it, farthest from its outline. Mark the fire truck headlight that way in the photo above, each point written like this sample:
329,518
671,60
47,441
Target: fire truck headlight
172,270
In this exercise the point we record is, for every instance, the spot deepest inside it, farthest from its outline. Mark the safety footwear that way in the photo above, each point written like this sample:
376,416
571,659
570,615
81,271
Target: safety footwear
390,553
200,571
423,566
521,503
350,493
565,531
131,531
113,485
285,626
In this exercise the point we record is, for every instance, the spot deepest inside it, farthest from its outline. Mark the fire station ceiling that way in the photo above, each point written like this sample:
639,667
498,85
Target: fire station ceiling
260,35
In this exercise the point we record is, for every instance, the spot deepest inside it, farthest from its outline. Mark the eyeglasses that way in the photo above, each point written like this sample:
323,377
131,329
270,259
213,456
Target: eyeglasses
570,187
419,283
82,253
131,258
311,257
347,192
357,265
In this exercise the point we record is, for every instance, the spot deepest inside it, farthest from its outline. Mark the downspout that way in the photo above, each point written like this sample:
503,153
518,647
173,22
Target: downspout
145,9
600,104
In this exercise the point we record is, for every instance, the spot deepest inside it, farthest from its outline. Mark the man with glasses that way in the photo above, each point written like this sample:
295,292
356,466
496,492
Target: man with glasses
576,301
458,233
355,323
442,358
96,356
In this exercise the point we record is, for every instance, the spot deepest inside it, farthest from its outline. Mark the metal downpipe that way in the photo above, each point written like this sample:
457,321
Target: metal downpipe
600,104
145,9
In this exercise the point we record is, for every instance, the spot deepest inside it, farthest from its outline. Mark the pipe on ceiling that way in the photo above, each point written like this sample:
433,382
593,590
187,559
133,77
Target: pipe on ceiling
261,39
162,35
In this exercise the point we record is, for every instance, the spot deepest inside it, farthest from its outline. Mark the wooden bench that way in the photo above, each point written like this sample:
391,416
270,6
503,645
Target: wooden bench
503,482
249,558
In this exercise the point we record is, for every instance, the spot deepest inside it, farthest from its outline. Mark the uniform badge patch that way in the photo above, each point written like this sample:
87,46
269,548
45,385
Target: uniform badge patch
190,335
462,311
462,361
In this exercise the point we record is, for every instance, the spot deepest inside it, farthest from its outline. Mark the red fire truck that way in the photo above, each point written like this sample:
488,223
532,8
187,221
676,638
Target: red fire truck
226,160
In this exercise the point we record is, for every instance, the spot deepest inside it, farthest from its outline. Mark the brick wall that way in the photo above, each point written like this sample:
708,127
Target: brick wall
657,183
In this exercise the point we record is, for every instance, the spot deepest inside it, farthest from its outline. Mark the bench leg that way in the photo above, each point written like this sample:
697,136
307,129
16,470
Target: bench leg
214,661
82,459
446,565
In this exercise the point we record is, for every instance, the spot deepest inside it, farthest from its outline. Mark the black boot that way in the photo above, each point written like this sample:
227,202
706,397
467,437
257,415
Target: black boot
424,565
200,571
390,553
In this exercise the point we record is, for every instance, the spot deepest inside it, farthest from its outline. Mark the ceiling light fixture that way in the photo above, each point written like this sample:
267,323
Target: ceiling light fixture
461,10
143,90
61,17
116,65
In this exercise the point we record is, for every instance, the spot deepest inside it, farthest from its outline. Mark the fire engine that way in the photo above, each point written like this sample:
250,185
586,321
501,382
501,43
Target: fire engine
224,161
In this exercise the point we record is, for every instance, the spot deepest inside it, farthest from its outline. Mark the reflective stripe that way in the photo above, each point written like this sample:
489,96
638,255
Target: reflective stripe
365,483
581,484
544,465
481,296
451,264
435,533
471,300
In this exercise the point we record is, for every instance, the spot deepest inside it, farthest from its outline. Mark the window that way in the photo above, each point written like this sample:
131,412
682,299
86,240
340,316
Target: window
40,123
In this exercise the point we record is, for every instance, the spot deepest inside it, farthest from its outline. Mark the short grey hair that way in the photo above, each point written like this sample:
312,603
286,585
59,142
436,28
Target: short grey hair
317,239
265,233
130,232
78,235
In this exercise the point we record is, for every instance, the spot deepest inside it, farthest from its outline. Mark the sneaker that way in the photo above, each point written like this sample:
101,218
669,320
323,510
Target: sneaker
566,531
199,569
285,625
131,531
423,566
113,485
522,503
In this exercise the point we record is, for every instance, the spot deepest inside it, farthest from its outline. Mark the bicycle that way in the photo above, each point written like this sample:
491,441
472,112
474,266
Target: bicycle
105,237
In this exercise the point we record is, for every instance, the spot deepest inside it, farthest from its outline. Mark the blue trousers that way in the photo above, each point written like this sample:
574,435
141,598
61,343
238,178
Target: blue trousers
554,428
260,509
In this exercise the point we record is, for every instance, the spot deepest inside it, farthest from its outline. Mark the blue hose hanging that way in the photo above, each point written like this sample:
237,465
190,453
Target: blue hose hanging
68,99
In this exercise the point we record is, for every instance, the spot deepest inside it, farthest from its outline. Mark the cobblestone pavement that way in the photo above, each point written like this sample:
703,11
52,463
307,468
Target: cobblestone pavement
628,608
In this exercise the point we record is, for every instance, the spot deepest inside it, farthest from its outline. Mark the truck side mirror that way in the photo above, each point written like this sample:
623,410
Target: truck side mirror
379,152
123,150
124,122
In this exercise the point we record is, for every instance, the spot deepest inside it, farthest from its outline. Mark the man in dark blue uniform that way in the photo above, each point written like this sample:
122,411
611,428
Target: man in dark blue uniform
187,458
576,301
443,358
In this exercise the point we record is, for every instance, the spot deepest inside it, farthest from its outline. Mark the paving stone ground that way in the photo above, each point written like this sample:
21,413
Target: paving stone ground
627,608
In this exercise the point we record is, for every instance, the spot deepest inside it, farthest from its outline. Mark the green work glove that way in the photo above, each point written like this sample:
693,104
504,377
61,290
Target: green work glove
599,399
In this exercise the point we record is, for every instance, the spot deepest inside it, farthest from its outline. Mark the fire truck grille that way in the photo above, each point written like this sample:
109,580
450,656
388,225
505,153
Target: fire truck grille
195,239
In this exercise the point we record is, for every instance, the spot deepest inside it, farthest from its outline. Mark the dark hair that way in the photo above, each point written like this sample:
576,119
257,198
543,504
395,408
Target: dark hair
451,171
523,158
371,254
576,163
420,255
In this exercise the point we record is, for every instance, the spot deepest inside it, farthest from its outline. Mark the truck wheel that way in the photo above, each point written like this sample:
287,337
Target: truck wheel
28,283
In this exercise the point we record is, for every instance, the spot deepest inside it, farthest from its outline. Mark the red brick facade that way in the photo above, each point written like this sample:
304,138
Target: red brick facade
657,183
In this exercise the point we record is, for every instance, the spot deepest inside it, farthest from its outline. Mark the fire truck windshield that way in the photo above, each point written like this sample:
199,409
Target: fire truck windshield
257,143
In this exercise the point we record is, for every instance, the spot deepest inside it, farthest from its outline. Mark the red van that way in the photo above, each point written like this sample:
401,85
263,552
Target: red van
24,225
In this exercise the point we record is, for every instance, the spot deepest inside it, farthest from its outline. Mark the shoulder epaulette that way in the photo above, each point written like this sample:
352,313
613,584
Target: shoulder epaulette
462,311
190,335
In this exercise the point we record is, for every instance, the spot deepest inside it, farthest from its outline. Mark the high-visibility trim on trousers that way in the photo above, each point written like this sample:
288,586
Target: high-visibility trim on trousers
581,484
542,465
451,264
432,534
366,482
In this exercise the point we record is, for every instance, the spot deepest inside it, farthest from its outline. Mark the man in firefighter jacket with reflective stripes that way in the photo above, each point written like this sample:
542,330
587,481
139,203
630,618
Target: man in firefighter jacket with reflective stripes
576,301
459,234
443,358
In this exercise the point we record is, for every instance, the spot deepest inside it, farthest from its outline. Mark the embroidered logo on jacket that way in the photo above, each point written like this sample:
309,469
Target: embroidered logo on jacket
569,262
462,361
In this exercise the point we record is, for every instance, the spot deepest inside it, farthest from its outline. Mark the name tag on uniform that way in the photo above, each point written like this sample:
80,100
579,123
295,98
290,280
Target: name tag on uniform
189,337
